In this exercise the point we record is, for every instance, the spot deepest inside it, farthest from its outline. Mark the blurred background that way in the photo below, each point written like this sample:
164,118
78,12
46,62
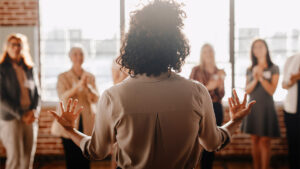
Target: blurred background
53,26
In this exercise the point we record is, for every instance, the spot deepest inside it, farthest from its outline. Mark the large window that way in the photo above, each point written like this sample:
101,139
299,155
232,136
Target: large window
277,23
96,25
92,23
206,22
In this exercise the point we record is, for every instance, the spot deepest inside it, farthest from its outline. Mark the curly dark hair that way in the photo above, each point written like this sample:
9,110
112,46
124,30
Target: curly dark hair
155,43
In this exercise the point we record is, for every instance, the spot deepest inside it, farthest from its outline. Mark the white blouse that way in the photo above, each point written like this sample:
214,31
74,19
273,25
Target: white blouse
292,66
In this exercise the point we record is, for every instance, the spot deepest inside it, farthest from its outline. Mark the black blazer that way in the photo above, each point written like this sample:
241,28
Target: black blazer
10,106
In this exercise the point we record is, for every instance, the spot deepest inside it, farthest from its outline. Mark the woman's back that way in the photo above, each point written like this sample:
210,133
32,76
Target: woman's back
156,122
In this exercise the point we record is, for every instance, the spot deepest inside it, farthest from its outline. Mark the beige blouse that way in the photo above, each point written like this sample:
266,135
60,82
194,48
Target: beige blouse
24,92
158,122
67,81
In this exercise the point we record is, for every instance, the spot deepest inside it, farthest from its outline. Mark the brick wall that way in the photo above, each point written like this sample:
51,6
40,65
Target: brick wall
49,145
18,12
241,143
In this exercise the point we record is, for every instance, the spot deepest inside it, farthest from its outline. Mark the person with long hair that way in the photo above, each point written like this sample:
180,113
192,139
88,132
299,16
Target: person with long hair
155,118
212,78
261,84
78,84
19,103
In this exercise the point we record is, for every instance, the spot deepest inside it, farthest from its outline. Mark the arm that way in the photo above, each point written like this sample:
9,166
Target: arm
270,87
293,80
36,104
32,114
213,137
212,85
98,146
7,105
250,85
93,94
287,85
192,75
63,92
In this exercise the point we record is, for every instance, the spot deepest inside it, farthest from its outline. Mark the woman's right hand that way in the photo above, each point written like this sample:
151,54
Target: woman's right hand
68,117
257,72
212,84
237,110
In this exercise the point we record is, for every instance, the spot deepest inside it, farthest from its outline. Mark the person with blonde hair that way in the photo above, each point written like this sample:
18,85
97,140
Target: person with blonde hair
212,78
19,103
79,84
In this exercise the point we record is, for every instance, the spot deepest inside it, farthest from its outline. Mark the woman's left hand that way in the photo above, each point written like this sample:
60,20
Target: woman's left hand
239,110
68,117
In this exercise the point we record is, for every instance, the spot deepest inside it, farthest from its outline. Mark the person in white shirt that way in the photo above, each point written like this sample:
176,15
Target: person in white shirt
291,82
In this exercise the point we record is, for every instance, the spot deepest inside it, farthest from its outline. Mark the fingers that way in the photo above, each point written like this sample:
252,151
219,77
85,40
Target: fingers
62,109
245,99
236,98
233,102
74,105
230,102
54,114
69,105
78,111
249,107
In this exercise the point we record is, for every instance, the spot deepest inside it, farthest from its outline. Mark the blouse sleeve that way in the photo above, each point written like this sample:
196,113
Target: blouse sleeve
275,70
212,137
98,146
194,74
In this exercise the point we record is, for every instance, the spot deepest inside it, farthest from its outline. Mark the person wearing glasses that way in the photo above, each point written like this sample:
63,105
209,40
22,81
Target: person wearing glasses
19,103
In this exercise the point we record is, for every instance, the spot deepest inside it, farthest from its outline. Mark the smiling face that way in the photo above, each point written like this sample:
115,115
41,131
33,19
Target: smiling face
259,50
76,56
207,55
14,48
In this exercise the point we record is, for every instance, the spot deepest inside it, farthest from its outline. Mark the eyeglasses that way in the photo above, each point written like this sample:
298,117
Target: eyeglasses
16,45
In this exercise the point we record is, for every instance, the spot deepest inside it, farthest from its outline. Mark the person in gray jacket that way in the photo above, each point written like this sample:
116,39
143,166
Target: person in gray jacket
19,103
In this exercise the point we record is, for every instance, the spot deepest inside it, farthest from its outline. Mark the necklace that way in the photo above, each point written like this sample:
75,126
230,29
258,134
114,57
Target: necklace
77,76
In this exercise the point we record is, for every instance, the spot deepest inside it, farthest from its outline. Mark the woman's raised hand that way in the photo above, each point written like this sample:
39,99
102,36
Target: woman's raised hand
68,117
237,110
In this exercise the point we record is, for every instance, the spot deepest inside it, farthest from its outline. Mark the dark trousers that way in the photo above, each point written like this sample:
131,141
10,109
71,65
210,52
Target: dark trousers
73,154
208,157
292,123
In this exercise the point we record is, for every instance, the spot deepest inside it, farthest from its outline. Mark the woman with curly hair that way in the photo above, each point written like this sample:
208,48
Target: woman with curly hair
155,118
